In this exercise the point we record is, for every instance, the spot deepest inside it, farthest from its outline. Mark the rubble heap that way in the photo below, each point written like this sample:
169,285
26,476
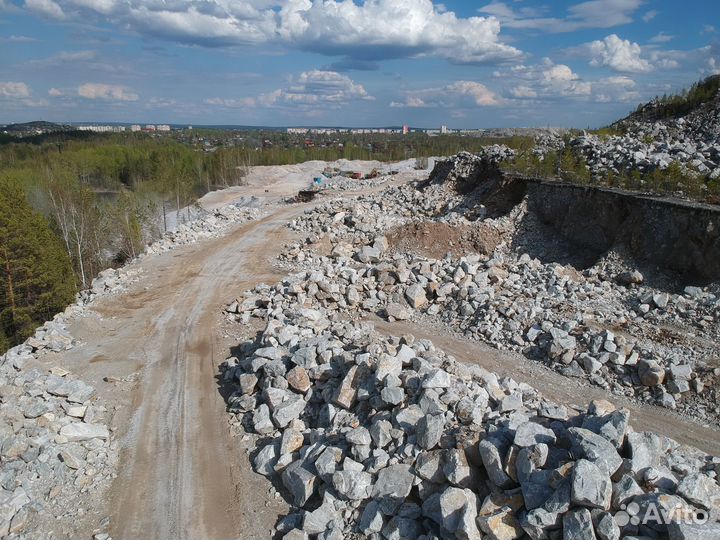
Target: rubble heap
55,449
209,225
692,140
604,324
390,438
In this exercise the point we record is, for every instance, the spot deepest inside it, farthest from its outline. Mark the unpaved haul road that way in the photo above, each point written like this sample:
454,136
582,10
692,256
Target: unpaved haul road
177,476
181,474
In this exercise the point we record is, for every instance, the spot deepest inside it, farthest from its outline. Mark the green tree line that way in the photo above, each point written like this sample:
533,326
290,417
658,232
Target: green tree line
70,207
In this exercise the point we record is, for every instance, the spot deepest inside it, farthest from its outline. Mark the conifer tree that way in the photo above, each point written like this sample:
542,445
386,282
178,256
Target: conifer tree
36,276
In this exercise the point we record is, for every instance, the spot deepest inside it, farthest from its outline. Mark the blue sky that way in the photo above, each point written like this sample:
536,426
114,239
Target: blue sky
338,62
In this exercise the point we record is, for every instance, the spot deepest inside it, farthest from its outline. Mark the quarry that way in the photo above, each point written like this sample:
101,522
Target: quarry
455,351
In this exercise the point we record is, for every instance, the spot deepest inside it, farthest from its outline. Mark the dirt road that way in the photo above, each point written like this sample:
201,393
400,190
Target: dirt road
182,475
179,467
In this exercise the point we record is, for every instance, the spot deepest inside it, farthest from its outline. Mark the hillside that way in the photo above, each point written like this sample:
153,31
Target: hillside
702,97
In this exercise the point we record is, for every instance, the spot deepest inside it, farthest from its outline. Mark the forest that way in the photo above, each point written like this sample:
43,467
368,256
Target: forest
72,206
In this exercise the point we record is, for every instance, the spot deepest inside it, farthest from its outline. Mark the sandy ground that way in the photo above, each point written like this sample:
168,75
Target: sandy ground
154,353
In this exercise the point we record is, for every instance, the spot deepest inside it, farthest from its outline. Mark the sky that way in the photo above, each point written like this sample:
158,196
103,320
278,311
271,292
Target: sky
460,63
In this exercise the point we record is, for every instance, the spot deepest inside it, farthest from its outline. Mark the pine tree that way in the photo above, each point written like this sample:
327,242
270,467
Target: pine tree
36,276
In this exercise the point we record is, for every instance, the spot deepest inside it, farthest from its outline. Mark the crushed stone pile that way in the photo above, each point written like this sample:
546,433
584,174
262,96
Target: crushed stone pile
55,447
604,324
390,438
209,225
692,140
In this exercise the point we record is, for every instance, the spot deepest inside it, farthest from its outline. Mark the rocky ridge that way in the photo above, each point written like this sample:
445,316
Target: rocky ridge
692,140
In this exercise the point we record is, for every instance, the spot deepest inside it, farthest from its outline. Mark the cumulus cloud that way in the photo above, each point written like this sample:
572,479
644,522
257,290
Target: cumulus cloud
55,92
457,94
106,92
544,80
14,90
316,88
590,14
367,32
522,91
18,95
619,55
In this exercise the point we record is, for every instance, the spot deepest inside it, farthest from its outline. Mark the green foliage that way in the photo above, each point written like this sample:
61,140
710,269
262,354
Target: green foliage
680,104
607,132
36,278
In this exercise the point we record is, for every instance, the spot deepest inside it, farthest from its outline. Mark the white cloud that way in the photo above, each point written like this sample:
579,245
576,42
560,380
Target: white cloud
618,54
17,39
17,95
14,90
590,14
370,31
558,73
47,8
544,80
55,92
650,15
107,92
662,37
391,28
522,92
311,89
457,94
615,89
231,103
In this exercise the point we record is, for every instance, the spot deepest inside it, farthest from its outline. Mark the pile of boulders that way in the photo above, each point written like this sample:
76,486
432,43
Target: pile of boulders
693,141
549,312
55,452
390,438
208,225
109,281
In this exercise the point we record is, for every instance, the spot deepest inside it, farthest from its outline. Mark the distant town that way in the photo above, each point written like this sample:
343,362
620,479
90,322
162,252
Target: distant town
40,128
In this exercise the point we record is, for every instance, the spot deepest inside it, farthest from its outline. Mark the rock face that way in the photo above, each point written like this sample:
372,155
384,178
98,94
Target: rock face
652,230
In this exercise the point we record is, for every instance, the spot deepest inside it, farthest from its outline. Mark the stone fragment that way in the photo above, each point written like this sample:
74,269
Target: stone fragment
392,486
78,431
300,482
531,433
429,430
298,379
415,295
591,486
577,525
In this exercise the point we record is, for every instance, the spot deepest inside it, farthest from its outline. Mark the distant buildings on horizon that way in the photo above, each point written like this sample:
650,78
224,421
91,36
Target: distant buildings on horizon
119,129
444,130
